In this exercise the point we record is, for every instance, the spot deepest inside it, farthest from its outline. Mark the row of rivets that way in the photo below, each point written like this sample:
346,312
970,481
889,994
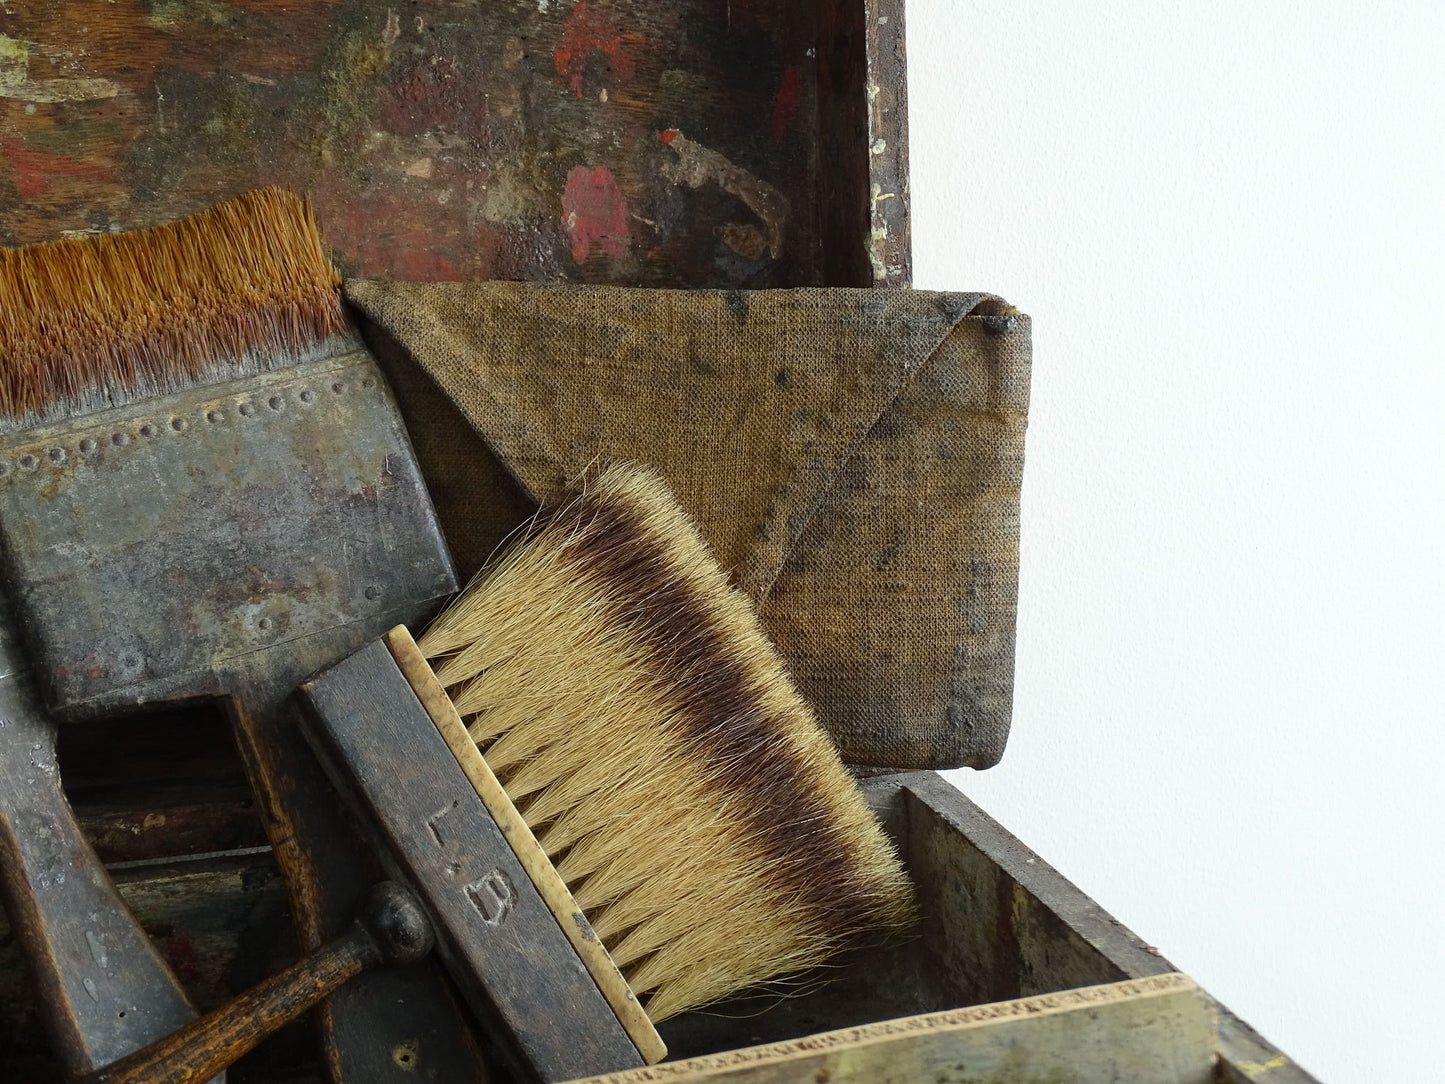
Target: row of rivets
267,623
89,446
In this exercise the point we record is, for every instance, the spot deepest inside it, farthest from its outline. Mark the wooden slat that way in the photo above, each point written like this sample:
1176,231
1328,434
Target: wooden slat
524,844
1011,922
1159,1029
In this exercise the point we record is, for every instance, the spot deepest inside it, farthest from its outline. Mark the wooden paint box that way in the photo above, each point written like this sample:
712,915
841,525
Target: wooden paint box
630,142
680,143
1015,975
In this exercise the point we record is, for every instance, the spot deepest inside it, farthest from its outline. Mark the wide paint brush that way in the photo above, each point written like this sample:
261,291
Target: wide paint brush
206,492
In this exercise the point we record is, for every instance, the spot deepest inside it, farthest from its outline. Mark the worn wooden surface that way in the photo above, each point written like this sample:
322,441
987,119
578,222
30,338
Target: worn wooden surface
1159,1030
221,925
390,929
863,142
646,142
981,887
1052,932
104,988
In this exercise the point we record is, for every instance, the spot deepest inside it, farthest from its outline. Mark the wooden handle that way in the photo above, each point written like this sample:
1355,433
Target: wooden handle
103,989
392,928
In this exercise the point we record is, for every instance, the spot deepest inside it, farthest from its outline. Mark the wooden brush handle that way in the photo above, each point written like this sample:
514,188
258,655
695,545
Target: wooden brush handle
102,988
391,928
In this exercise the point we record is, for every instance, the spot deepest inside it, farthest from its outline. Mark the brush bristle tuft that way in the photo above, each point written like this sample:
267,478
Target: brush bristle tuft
94,322
629,701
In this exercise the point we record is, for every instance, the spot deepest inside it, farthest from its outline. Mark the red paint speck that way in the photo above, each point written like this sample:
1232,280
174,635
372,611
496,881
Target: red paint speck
180,952
669,135
786,105
594,211
34,169
583,33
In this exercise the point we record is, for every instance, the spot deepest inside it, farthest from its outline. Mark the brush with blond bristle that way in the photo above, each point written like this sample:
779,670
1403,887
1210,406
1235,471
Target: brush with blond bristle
635,712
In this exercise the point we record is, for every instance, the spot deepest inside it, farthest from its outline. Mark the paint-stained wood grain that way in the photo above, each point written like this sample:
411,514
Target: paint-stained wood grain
442,139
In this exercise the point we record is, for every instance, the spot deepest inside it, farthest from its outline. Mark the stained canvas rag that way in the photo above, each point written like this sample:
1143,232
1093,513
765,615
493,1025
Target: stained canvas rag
854,458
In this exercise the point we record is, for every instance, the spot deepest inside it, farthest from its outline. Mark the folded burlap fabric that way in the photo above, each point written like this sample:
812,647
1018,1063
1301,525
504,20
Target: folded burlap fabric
853,456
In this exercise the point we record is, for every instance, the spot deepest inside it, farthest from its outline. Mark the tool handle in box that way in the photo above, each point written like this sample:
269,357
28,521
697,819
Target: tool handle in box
103,989
392,928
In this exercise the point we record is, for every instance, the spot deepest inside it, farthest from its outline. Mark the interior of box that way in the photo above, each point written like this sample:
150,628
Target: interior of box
692,143
995,921
677,143
983,937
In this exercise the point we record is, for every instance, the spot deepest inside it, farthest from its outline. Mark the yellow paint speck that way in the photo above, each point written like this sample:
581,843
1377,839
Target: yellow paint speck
15,81
1255,1069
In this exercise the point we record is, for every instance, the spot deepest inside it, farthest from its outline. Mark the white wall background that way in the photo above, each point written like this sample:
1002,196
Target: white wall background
1226,220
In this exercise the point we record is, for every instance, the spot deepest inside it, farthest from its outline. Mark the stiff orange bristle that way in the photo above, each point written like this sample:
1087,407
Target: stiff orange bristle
94,322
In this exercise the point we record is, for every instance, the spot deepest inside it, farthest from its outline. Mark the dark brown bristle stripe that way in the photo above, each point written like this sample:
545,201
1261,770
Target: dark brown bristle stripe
93,322
718,705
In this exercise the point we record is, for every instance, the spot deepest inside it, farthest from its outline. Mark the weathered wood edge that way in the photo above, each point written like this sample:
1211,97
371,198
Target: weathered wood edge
1245,1056
524,845
863,204
833,1043
890,240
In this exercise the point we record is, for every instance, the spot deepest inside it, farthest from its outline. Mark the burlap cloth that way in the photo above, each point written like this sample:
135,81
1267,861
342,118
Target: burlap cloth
853,457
